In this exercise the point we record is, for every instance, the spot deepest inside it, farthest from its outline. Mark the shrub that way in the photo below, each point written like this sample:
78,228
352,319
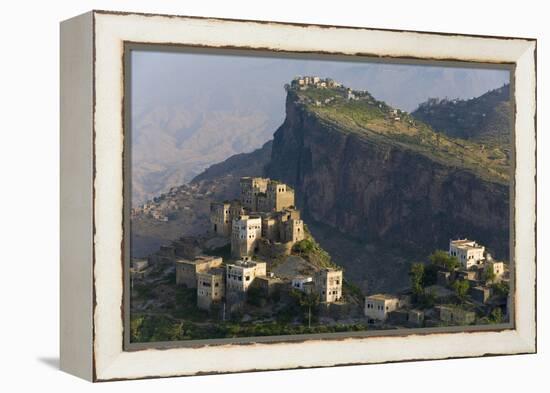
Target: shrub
443,259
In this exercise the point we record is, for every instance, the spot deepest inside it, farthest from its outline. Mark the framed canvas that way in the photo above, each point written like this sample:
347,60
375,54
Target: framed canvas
247,195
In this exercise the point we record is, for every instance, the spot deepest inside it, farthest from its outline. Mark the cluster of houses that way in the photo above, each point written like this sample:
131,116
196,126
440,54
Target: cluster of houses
262,221
314,81
149,209
474,262
306,82
229,282
176,199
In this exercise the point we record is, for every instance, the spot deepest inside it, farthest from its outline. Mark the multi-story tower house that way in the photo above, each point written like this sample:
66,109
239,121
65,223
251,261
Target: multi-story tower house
220,218
222,215
210,287
284,226
293,231
328,284
187,270
270,226
241,274
245,233
279,196
250,188
291,227
265,195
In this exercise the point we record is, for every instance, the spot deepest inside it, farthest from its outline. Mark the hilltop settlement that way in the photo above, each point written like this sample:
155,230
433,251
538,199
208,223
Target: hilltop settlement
257,270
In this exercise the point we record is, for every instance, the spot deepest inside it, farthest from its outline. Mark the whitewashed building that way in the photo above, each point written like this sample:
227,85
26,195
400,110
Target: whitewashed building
241,274
328,284
245,233
378,306
468,252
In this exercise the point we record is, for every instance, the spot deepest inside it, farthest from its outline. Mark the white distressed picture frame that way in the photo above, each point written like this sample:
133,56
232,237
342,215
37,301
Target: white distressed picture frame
92,147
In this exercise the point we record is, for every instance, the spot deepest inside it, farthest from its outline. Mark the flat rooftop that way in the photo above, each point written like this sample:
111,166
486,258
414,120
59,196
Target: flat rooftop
382,296
216,271
242,263
199,259
465,244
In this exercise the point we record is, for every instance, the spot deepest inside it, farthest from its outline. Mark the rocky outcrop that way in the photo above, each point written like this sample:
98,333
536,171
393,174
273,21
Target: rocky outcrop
382,192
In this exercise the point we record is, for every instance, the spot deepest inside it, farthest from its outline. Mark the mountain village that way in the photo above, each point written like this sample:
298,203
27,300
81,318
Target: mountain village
257,261
263,231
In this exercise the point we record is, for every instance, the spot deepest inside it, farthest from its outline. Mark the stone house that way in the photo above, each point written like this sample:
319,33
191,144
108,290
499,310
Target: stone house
291,230
455,315
246,232
264,195
220,218
378,306
187,269
241,274
468,252
469,275
270,226
496,267
269,284
328,284
210,287
283,226
222,215
250,188
279,196
398,317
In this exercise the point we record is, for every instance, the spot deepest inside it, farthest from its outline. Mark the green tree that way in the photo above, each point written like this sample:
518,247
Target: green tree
426,300
255,296
417,279
488,274
461,288
443,259
501,289
430,275
304,246
309,302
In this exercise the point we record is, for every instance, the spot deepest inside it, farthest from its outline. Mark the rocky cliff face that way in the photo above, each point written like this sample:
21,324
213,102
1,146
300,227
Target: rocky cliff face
383,193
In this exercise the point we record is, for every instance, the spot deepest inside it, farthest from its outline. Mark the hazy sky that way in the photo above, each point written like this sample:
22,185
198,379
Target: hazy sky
169,76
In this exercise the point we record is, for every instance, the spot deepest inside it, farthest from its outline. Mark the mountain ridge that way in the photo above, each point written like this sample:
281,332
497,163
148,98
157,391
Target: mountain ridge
485,119
370,189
